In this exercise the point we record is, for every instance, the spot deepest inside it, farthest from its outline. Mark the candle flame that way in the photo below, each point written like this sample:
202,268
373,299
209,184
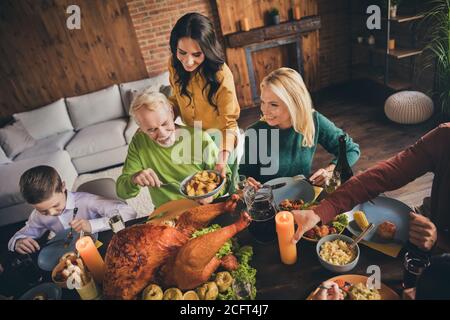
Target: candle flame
82,243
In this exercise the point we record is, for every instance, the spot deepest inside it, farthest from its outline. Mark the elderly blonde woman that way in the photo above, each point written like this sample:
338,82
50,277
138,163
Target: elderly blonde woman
287,136
162,152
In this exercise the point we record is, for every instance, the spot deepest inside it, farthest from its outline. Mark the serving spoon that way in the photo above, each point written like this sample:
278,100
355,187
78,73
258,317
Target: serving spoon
361,236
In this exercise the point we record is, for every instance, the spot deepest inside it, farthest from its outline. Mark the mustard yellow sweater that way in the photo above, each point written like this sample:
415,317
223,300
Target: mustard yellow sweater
199,109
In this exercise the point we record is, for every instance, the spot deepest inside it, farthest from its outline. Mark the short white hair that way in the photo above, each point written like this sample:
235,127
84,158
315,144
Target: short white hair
150,100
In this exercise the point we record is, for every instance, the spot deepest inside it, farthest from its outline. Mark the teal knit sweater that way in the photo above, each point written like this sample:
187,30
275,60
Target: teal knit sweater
264,161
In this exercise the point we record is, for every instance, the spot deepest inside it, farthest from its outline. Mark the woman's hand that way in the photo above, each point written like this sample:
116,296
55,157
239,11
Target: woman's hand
306,220
253,183
321,176
221,165
146,178
206,200
329,291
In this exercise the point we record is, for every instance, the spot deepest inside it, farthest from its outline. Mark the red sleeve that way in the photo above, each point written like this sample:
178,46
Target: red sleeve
387,175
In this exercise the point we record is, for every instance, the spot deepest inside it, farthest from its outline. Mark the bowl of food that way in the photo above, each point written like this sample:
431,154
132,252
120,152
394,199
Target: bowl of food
68,264
356,287
202,184
335,254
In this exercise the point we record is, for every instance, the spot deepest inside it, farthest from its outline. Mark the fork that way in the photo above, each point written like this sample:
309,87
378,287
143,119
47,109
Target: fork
169,183
70,234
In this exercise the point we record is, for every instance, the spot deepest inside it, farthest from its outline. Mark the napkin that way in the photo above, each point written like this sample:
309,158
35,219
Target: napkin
390,249
98,244
317,191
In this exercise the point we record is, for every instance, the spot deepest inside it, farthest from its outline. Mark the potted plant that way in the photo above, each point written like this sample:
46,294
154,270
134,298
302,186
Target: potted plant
274,16
437,18
393,8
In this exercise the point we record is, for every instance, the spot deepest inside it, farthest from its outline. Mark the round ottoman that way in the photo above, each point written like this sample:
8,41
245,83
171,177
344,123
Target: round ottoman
408,107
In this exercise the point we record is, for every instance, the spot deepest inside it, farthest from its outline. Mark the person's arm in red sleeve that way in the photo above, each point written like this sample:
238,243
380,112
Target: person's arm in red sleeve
385,176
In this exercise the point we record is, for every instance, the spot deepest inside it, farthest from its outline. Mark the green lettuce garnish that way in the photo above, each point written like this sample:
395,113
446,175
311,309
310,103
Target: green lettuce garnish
226,248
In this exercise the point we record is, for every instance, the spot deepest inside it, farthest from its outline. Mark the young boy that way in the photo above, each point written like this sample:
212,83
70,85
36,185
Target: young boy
43,188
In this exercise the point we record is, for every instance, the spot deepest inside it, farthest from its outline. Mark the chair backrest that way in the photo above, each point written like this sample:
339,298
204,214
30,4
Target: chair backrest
104,187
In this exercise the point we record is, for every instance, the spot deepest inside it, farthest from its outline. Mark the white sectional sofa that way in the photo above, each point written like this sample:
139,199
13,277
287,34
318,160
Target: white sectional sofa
75,135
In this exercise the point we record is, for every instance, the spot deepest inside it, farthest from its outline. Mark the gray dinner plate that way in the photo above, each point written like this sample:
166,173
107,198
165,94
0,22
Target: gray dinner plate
383,209
48,290
293,190
51,253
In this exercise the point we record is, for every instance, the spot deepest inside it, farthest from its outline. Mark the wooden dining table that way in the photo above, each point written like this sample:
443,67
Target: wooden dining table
275,280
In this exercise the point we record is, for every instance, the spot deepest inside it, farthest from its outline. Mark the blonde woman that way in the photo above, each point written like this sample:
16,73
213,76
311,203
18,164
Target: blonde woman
287,107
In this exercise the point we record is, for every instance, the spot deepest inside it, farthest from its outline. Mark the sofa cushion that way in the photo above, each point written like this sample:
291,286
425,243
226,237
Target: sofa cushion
3,158
46,121
157,83
102,160
47,145
14,139
95,107
131,129
97,138
10,175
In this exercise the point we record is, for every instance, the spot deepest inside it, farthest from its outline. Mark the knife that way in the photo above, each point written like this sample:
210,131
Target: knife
276,186
302,177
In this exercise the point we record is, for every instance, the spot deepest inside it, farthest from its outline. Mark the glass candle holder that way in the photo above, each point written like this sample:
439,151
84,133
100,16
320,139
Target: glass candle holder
116,223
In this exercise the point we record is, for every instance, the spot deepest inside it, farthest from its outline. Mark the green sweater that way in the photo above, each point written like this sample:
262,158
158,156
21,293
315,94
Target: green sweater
144,153
291,157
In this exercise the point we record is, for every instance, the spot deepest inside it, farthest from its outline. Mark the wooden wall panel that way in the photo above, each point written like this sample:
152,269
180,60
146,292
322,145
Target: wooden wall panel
238,66
232,11
42,61
310,50
267,60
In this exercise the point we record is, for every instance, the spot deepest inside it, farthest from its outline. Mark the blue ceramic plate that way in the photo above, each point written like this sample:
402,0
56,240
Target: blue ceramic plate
293,190
49,255
48,291
383,209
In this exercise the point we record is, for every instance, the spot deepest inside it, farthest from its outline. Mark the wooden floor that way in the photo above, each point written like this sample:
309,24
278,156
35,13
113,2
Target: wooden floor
377,137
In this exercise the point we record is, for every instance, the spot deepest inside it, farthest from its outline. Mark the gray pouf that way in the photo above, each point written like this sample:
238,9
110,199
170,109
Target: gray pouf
408,107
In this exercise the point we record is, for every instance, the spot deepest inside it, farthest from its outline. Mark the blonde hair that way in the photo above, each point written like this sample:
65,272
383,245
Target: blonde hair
288,85
151,101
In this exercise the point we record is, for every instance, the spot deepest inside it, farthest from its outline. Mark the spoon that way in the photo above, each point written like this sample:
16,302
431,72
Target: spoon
361,236
70,235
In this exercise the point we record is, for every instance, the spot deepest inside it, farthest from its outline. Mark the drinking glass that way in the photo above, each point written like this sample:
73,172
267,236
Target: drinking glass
116,222
413,266
262,210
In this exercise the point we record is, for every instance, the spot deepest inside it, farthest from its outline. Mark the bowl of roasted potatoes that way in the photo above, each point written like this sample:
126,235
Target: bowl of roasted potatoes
201,185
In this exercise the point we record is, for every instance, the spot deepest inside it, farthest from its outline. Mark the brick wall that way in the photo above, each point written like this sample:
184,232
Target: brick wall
334,59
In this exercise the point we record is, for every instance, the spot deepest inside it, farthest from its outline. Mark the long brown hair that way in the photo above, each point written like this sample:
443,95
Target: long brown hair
199,28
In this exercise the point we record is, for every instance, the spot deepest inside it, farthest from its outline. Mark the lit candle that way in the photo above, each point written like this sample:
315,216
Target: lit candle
91,258
245,24
391,44
285,230
297,13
